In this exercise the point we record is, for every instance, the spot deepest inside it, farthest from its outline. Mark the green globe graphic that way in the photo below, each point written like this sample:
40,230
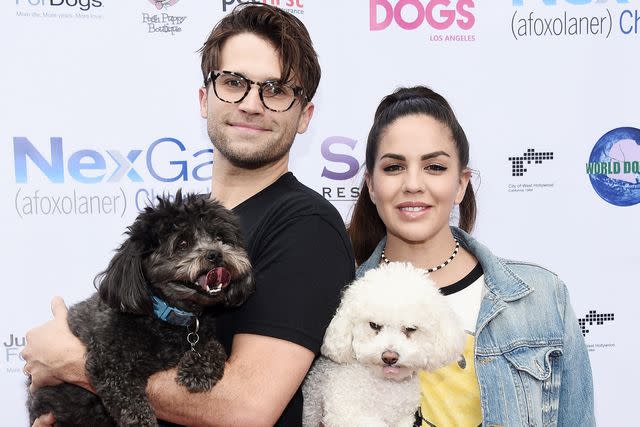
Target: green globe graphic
614,166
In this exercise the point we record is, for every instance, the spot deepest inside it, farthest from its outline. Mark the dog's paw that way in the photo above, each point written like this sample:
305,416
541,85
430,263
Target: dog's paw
199,373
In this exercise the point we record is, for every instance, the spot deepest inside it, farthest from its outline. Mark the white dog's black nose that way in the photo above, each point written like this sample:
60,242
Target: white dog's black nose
214,256
390,357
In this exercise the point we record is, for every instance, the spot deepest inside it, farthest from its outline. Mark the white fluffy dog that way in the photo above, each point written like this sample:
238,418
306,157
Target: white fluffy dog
390,323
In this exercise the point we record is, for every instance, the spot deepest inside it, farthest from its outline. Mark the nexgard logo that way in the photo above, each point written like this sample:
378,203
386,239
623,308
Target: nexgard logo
413,14
92,182
614,166
340,170
90,166
573,18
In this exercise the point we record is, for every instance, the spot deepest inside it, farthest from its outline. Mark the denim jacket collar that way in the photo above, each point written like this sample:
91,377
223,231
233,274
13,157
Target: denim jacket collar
500,279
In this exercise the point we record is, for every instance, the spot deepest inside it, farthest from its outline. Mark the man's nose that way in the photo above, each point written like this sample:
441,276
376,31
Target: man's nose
252,102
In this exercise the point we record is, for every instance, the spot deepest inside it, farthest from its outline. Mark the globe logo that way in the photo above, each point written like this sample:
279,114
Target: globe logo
614,166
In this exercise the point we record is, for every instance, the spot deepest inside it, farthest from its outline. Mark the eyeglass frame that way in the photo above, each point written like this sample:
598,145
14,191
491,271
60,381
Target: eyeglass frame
298,91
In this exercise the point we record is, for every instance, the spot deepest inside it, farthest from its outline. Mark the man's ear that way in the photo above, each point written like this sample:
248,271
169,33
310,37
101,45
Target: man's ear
465,176
369,181
202,99
305,117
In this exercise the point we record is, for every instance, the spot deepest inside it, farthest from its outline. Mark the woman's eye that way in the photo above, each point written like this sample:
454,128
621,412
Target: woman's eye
392,168
436,168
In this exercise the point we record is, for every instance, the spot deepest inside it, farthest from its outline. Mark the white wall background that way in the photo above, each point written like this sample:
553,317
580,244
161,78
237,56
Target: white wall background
91,74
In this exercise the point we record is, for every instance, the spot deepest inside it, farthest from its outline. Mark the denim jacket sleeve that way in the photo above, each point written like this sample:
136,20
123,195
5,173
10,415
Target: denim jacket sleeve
576,387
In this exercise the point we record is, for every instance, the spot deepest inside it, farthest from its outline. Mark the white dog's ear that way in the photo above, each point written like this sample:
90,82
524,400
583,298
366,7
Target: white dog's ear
445,336
338,337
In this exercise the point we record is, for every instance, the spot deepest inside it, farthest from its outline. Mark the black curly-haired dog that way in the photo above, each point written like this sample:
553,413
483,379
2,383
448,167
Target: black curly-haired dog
150,313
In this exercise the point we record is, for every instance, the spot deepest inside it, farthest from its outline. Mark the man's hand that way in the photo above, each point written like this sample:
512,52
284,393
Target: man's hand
45,420
53,354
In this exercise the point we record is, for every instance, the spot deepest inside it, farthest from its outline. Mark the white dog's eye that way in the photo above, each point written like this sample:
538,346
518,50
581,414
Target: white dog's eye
375,326
408,331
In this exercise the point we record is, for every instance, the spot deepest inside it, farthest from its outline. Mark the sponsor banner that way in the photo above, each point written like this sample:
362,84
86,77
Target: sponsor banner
101,115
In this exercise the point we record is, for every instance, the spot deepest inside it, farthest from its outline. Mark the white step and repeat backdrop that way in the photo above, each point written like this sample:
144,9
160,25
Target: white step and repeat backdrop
99,113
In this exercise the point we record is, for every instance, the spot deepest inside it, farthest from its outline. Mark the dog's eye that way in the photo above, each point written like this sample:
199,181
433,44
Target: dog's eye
375,326
408,331
182,245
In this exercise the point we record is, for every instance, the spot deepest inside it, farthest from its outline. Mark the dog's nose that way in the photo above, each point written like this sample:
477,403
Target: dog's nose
214,257
390,357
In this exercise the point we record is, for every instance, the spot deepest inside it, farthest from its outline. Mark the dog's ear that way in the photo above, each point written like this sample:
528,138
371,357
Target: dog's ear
338,338
239,291
442,334
122,285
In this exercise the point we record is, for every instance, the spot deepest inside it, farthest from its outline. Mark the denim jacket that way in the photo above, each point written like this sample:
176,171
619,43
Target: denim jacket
531,360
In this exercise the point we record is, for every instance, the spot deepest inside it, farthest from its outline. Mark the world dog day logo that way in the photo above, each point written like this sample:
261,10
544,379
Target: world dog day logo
163,23
446,20
614,166
573,18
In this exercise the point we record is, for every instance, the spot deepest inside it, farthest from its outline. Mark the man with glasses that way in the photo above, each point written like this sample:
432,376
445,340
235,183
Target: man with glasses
260,73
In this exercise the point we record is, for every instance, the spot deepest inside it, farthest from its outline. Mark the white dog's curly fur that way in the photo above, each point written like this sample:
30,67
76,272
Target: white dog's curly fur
390,323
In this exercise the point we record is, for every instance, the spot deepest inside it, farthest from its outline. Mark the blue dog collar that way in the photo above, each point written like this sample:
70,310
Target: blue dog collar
172,315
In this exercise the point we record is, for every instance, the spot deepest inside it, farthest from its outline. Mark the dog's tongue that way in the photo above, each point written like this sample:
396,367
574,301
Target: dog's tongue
390,370
217,276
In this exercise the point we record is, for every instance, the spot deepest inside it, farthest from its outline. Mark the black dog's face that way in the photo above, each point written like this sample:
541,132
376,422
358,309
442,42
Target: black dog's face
187,251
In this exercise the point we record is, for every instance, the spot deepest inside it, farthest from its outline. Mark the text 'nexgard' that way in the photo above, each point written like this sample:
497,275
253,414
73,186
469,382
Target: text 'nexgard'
90,166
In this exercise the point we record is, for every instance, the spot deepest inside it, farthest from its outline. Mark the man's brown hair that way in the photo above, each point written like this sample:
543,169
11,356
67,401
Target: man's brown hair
284,31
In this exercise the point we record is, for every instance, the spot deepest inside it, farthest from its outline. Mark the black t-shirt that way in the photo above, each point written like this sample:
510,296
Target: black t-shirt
301,258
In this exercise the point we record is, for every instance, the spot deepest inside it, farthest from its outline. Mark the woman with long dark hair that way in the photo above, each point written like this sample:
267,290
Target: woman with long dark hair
525,360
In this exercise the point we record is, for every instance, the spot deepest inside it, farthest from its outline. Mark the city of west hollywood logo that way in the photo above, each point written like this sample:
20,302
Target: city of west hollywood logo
518,167
592,318
88,166
529,171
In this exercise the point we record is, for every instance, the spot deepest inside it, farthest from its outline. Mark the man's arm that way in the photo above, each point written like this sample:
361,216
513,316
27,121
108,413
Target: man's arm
260,378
